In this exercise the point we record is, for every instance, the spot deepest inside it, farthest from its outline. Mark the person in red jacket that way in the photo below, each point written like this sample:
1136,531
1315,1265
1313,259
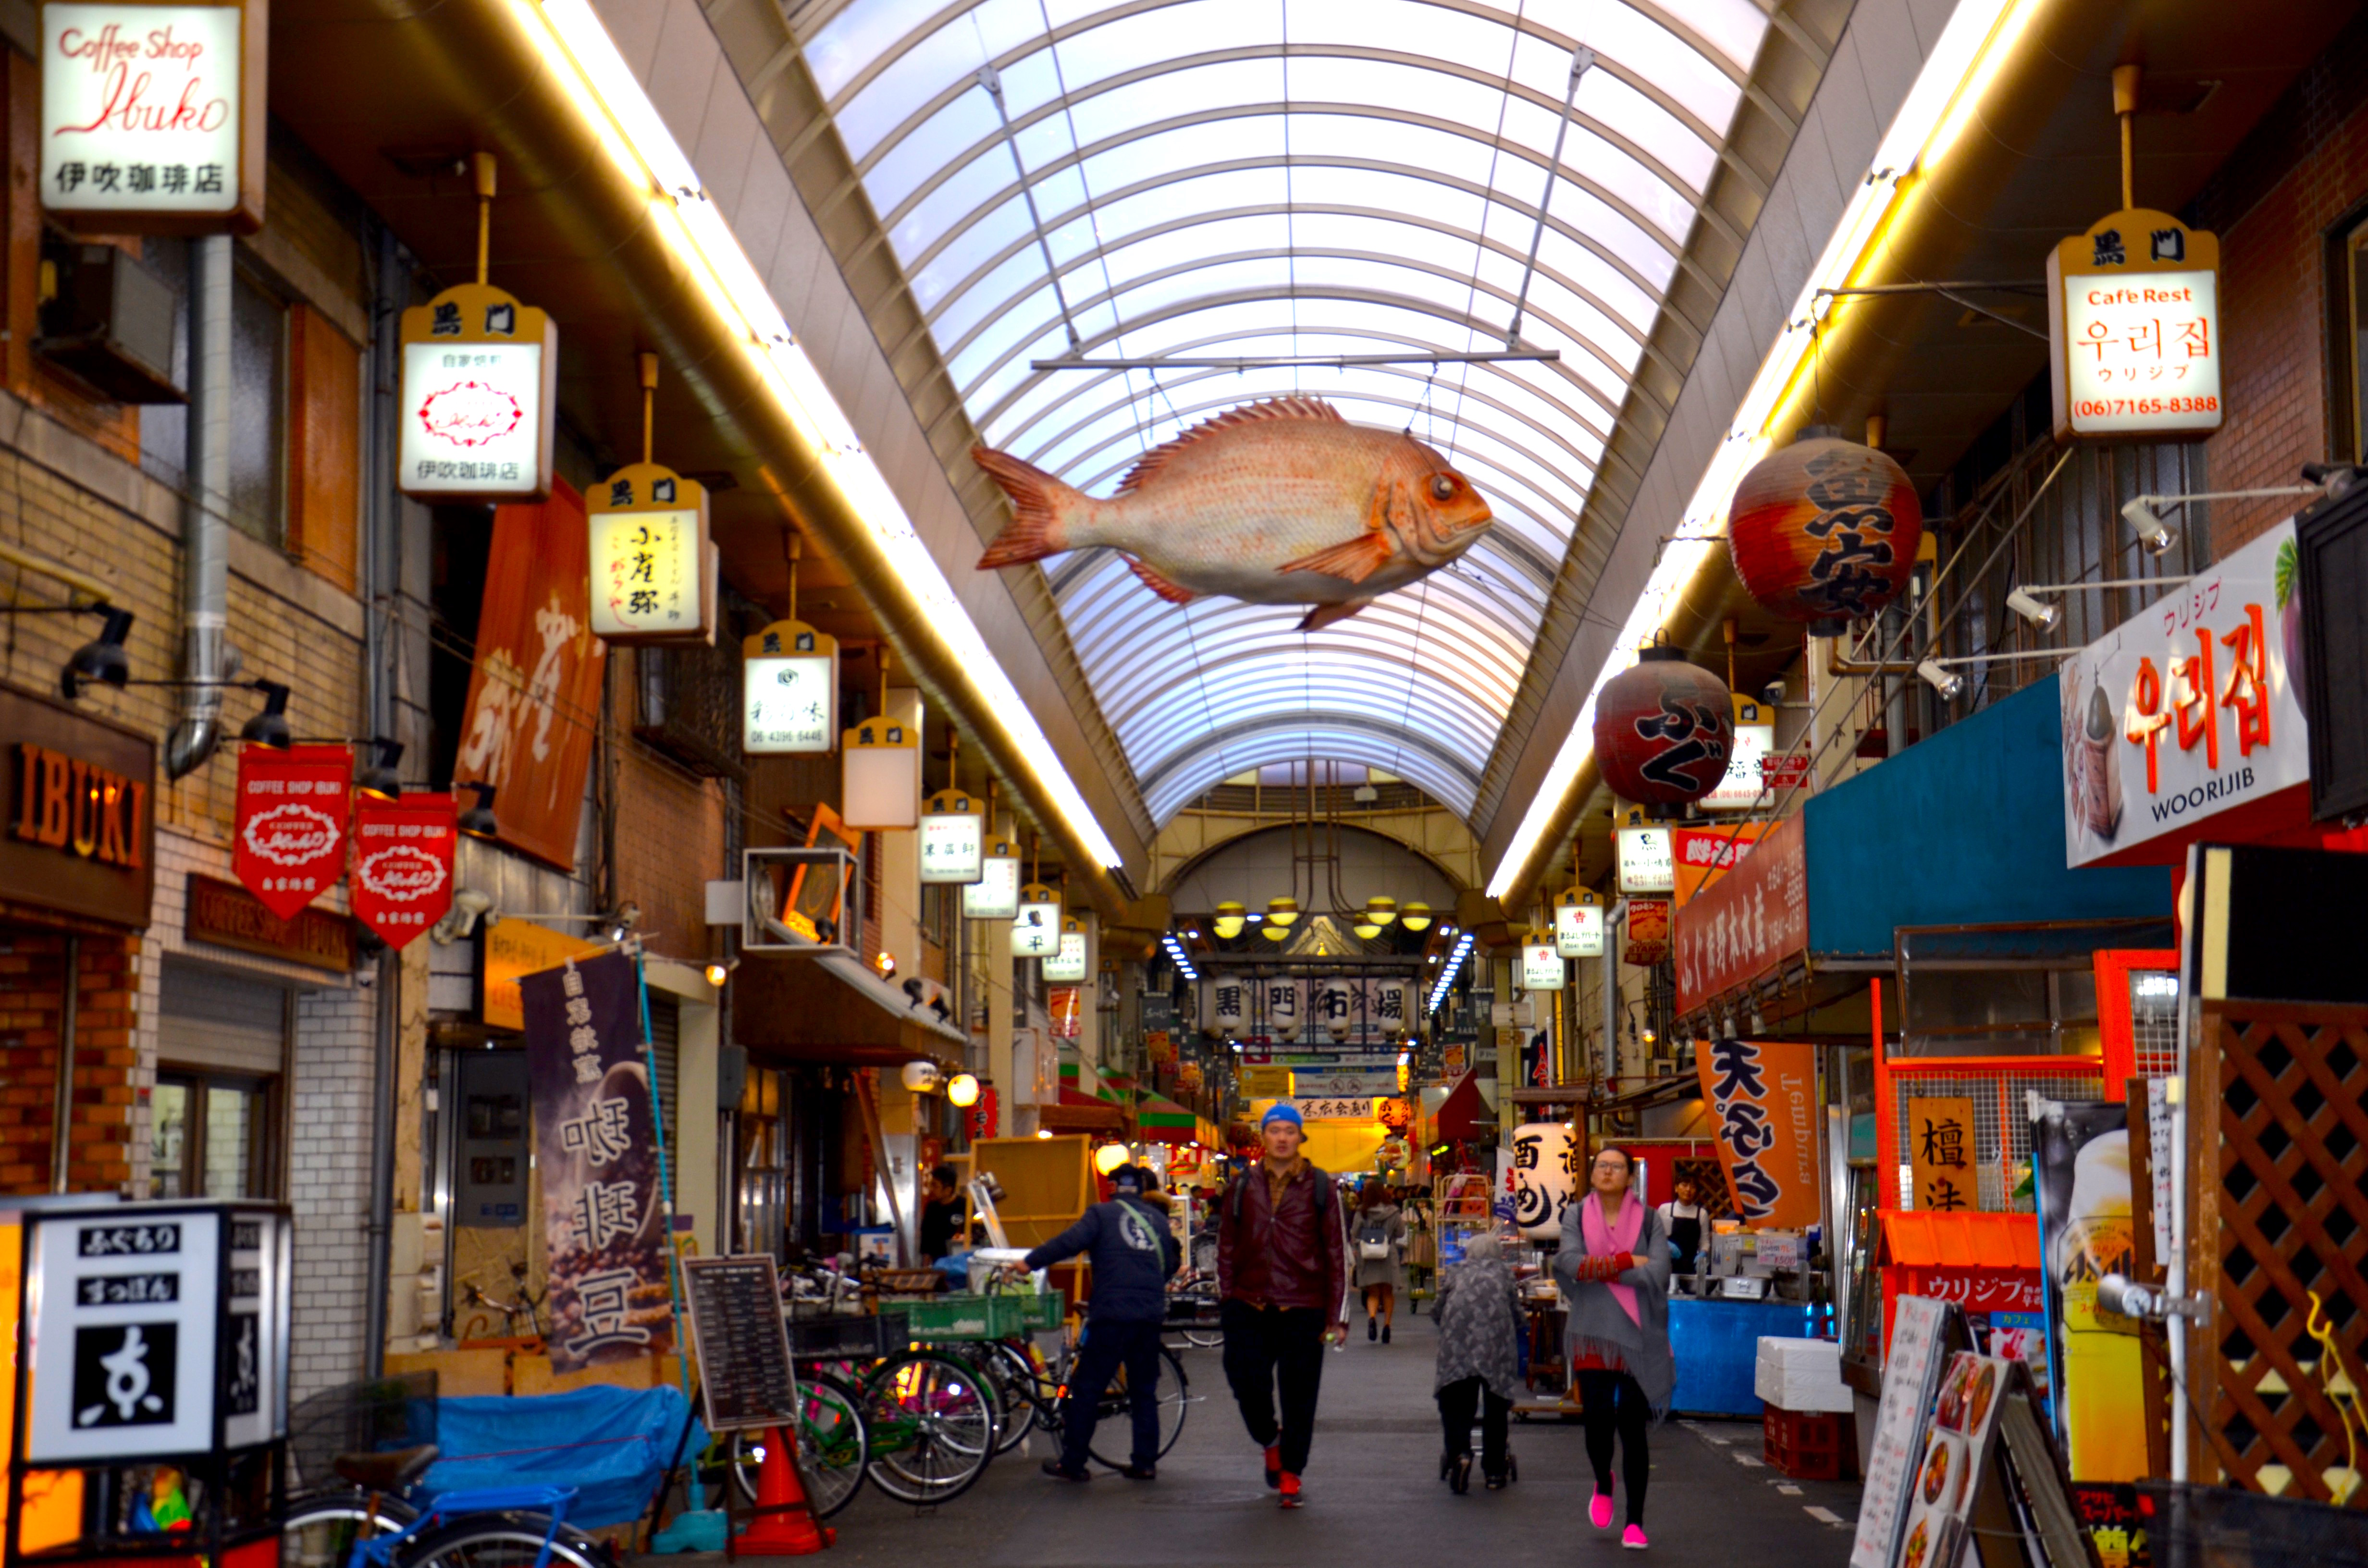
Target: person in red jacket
1282,1269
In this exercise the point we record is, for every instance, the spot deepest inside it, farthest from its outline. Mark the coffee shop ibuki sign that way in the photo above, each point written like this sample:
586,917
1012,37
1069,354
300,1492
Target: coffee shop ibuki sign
153,117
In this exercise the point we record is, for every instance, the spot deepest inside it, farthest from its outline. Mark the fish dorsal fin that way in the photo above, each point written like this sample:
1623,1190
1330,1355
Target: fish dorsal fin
1152,461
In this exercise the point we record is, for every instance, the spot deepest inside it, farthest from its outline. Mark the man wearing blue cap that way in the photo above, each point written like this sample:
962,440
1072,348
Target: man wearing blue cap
1281,1270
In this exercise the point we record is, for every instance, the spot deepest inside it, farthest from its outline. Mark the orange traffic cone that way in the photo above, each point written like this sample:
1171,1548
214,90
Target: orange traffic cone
784,1525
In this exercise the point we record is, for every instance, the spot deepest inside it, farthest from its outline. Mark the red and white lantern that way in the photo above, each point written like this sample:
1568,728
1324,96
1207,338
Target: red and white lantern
1825,531
1662,729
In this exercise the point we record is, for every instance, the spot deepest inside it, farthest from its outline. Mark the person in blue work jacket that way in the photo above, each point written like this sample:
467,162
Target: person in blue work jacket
1134,1254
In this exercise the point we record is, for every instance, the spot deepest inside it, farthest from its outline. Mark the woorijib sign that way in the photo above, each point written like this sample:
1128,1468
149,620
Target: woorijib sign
2187,710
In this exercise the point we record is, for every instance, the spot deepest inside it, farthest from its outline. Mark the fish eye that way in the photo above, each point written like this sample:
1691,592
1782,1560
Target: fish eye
1442,486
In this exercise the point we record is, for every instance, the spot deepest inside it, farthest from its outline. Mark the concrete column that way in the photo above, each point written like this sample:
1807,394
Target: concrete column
996,937
900,862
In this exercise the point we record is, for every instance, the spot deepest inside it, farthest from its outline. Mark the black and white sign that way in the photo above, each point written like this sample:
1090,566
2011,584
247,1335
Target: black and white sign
123,1374
743,1352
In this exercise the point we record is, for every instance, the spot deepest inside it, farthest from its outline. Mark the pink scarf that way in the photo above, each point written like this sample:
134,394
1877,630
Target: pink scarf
1609,1241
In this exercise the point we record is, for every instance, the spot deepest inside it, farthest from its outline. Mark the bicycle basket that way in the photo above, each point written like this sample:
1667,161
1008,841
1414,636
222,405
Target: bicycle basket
372,1416
856,1336
952,1319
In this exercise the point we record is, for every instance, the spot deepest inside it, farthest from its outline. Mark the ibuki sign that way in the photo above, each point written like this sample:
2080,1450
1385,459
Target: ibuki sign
2187,710
153,117
2134,317
789,681
653,570
288,847
402,865
480,390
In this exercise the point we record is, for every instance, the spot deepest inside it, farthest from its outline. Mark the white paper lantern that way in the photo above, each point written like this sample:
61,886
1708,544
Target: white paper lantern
1036,928
1335,1005
1283,1013
953,839
1388,1002
995,894
1228,1006
1544,1182
1541,967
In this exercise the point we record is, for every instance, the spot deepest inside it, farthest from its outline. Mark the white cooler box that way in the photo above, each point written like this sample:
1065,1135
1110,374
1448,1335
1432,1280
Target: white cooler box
1803,1375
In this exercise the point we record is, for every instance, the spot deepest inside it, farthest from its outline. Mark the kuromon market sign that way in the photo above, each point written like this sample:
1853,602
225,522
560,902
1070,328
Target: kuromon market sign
2187,710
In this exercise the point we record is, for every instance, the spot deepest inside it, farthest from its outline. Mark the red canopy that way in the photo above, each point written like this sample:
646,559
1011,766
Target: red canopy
1458,1118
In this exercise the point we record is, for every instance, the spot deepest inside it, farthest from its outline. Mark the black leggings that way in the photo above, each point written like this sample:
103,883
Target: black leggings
1598,1391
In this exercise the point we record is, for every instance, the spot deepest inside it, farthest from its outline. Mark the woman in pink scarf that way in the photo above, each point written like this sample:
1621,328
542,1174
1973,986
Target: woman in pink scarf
1614,1269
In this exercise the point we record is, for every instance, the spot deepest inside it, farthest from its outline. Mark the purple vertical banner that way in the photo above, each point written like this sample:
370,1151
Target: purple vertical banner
596,1153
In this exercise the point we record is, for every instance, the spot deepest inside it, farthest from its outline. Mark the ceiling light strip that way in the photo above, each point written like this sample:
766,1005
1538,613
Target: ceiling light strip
638,141
1972,51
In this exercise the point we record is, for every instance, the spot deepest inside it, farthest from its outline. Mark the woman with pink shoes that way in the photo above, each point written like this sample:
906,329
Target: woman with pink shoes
1615,1270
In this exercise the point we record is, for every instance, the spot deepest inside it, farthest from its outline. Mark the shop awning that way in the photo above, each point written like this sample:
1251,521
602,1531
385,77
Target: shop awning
1960,1241
1162,1120
1893,847
834,1009
1081,1113
1458,1118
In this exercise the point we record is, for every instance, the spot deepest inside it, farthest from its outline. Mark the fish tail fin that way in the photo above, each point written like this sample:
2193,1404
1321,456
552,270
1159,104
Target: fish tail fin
1040,509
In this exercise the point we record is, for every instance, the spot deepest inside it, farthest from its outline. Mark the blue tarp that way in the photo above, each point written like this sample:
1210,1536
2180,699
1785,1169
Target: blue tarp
1716,1343
1966,827
612,1445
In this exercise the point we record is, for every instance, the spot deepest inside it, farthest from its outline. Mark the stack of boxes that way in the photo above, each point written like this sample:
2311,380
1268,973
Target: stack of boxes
1807,1429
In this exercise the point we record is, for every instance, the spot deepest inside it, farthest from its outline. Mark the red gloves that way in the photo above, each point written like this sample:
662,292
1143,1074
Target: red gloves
1601,1270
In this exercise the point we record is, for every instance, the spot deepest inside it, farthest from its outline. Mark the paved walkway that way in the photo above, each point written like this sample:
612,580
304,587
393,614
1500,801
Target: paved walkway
1373,1499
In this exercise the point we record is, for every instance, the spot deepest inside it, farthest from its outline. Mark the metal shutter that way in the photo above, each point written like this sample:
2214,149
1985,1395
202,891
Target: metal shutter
208,1018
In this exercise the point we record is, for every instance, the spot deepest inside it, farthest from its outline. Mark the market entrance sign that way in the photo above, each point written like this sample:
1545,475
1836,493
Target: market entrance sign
2187,710
2133,330
153,117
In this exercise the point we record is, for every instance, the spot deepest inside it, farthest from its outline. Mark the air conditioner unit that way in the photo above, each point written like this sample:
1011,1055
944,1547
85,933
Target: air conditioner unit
109,323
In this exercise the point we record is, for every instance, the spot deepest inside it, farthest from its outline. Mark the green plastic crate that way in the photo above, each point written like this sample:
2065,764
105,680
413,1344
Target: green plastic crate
954,1318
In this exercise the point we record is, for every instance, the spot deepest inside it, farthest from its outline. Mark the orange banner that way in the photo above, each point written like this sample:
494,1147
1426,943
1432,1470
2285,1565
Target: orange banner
1702,854
1762,1096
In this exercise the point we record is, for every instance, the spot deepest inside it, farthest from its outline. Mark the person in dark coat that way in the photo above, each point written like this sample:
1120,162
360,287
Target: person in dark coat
1479,1317
1135,1253
1282,1272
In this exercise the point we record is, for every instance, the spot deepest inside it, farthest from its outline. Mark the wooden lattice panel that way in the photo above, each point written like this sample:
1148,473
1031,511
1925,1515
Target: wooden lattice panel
2280,1213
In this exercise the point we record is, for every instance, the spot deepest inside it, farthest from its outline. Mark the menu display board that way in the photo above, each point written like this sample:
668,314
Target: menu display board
746,1379
1910,1383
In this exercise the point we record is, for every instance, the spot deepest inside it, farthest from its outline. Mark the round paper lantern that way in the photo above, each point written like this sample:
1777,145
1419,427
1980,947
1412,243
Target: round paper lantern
1662,730
1825,531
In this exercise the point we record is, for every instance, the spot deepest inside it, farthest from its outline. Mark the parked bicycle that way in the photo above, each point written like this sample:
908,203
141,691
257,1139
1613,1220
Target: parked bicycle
374,1525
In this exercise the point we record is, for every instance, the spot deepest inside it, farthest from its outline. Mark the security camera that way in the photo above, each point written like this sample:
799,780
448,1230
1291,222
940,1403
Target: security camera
1772,694
469,906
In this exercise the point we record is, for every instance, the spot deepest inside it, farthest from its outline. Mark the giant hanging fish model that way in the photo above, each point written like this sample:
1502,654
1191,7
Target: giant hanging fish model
1279,502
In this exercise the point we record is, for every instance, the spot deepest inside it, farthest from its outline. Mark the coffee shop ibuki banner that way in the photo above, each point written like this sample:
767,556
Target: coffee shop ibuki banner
288,847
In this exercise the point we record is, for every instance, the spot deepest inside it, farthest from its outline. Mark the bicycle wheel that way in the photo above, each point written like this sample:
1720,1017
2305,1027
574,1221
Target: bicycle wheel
1204,1338
930,1420
1114,1414
320,1531
500,1540
1023,1390
832,1452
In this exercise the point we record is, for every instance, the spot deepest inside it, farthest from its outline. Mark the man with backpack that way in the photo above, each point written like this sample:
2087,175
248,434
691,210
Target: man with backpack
1133,1253
1282,1272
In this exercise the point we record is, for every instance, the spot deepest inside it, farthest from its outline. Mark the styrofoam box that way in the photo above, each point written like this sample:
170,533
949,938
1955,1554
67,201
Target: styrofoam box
1801,1374
1823,1356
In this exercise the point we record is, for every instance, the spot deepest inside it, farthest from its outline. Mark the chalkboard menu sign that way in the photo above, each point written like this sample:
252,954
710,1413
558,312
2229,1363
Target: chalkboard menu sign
743,1349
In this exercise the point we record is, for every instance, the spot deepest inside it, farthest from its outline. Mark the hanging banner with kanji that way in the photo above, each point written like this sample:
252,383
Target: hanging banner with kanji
1763,1103
402,865
534,696
603,1221
288,847
1940,1154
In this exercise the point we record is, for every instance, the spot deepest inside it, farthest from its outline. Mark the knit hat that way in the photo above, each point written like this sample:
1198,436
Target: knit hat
1282,1110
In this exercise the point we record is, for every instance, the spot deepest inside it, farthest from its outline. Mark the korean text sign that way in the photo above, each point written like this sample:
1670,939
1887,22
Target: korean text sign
1747,922
402,865
288,847
2186,709
1763,1106
2134,317
596,1150
152,116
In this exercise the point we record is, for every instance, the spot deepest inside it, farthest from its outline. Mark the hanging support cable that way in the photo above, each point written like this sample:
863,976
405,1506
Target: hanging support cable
1581,59
992,80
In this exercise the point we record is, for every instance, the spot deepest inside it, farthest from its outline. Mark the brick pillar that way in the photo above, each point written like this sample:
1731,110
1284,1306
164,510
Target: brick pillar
32,999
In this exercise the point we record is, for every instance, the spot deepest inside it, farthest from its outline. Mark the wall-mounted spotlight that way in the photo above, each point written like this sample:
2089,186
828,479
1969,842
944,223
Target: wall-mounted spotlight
269,728
477,821
102,659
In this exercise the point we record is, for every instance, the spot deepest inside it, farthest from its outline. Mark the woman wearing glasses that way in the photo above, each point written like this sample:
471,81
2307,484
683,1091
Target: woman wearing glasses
1614,1269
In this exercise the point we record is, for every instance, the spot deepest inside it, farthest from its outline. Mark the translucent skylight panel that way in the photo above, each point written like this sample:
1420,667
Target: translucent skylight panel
1211,235
1607,99
1451,297
1385,190
1123,215
997,380
1436,30
945,270
1585,268
1589,215
915,77
1384,236
1655,53
858,35
1019,278
1415,146
975,185
1186,147
905,166
1221,84
1129,42
1320,78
